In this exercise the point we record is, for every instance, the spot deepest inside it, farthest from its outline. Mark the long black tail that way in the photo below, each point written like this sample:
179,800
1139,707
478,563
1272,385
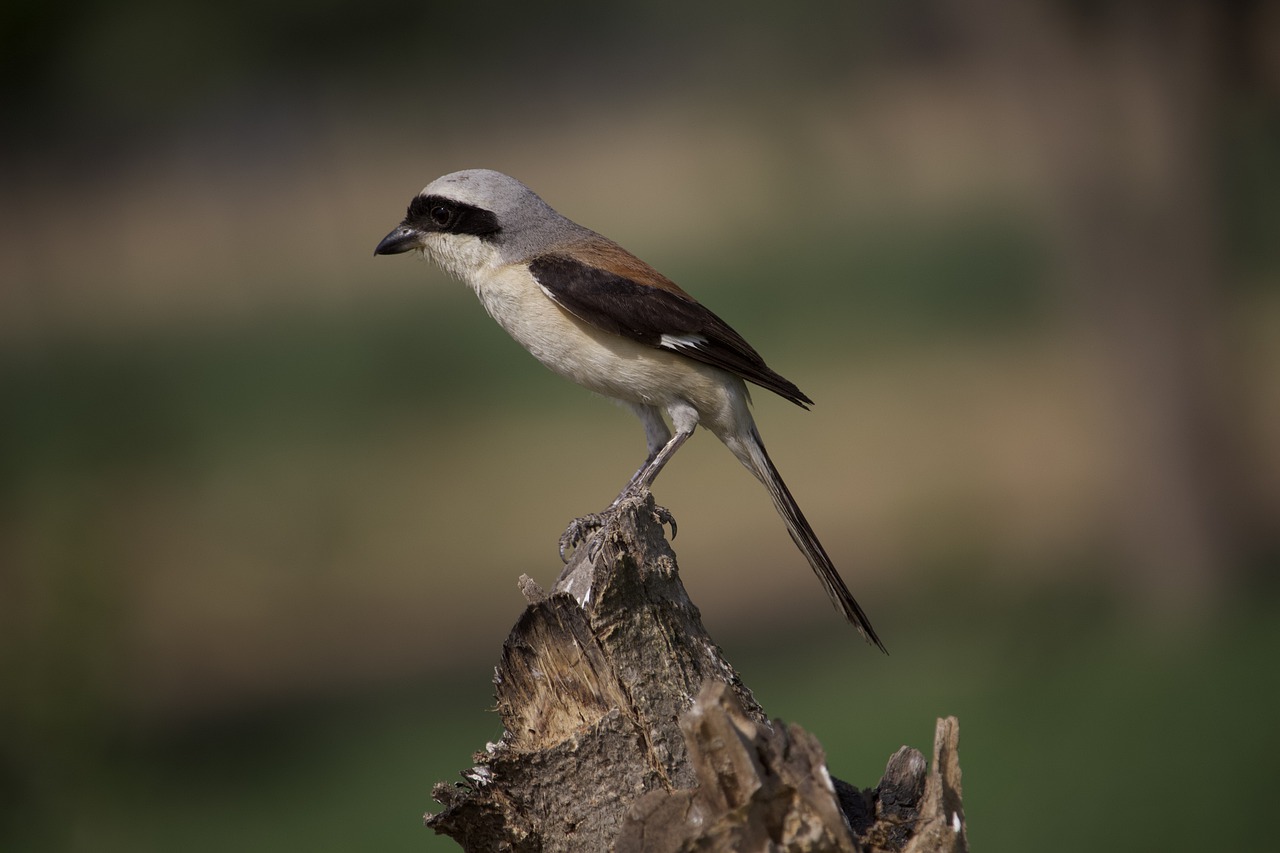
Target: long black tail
758,461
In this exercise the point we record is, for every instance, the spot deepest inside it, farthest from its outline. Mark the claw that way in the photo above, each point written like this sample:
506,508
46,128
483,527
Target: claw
578,530
664,516
581,529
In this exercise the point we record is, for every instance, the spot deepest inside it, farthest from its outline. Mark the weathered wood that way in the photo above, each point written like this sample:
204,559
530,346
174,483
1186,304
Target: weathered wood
606,747
760,787
914,811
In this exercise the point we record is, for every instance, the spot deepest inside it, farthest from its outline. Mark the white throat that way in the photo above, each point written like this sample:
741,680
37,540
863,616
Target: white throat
462,256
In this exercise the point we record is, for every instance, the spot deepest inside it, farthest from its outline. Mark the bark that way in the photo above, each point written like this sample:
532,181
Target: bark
627,730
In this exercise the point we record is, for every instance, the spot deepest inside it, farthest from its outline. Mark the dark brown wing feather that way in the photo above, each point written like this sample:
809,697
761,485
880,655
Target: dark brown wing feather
615,291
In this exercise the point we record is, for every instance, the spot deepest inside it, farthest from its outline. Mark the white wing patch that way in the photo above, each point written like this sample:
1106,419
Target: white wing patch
546,290
678,342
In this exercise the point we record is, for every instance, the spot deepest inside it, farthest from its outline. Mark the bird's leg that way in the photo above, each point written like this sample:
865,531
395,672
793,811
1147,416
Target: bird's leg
635,478
662,446
644,478
656,436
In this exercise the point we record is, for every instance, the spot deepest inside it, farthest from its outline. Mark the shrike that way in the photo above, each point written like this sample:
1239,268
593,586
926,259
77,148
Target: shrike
596,314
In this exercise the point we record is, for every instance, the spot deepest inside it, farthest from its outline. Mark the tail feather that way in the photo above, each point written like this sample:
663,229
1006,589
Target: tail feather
758,461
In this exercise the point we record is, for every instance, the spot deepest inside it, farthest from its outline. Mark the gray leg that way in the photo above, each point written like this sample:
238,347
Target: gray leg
685,420
645,476
662,446
656,436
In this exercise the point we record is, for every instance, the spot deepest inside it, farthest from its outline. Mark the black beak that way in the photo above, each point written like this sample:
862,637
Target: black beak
403,239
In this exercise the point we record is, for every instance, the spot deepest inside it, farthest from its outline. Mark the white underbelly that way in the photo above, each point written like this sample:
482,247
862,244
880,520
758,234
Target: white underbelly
606,363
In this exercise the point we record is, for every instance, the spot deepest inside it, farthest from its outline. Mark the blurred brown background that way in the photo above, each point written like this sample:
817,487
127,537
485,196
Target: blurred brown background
264,498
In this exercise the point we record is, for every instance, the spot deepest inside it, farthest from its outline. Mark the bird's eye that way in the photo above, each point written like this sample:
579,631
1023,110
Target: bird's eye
441,215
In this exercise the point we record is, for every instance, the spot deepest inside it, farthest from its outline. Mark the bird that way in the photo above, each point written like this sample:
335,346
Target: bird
599,316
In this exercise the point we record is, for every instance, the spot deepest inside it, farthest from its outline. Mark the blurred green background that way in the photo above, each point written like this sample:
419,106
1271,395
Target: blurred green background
264,499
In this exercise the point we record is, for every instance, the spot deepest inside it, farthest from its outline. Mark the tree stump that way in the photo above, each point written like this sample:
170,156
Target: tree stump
627,730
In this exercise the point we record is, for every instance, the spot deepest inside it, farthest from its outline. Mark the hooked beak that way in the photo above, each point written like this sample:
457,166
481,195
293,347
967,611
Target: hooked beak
403,239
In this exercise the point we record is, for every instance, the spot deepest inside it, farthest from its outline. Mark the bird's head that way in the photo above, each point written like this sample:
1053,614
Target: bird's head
467,220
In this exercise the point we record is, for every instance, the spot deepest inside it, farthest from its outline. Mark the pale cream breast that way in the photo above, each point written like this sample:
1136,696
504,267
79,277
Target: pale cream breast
601,361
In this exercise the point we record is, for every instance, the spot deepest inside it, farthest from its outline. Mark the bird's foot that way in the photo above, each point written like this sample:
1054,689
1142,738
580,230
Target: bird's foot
580,530
663,516
583,529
